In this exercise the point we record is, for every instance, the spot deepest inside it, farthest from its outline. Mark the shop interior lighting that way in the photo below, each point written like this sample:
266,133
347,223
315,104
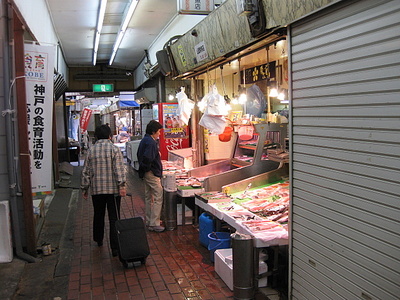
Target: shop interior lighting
243,95
281,96
122,29
242,99
100,20
171,97
273,92
284,101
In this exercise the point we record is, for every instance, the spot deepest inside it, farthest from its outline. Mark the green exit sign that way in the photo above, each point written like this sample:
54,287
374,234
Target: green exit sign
103,88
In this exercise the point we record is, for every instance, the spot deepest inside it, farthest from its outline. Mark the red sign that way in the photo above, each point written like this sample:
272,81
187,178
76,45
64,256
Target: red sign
85,117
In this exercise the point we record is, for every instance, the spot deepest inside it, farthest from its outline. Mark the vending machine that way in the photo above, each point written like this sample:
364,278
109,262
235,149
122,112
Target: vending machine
174,134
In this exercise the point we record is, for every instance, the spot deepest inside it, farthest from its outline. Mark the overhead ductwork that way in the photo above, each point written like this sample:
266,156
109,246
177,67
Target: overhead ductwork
165,59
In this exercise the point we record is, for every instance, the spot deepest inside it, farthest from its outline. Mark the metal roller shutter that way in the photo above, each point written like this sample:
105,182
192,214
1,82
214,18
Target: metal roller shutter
345,63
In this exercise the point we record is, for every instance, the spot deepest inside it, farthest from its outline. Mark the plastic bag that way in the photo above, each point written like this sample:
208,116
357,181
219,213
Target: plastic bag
256,102
216,124
214,104
185,107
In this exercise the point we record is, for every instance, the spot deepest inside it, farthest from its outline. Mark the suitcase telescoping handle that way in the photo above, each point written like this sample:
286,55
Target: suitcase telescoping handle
116,207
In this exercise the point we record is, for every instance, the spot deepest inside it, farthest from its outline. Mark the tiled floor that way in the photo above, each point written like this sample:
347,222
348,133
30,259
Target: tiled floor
177,268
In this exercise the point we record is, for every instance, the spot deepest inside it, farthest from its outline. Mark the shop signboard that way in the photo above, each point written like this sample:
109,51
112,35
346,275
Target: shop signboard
85,117
103,88
195,7
39,69
201,51
258,73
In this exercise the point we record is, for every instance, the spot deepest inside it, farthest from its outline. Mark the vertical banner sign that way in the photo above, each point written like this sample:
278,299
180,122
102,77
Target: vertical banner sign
39,70
85,117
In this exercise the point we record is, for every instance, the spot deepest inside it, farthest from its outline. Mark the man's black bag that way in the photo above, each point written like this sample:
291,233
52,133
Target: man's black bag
132,241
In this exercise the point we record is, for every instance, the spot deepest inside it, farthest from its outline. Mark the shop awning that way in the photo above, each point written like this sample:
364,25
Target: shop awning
127,103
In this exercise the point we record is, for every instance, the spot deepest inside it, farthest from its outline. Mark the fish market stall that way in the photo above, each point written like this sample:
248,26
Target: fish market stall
255,143
250,158
257,206
253,206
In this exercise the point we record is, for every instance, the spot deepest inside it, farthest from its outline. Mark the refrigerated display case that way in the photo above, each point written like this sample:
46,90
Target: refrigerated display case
248,160
265,225
173,135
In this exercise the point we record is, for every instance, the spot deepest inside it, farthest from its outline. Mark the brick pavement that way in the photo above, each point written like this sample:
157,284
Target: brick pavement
178,267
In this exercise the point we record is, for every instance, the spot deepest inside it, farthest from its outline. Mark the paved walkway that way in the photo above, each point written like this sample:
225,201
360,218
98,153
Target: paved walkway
177,268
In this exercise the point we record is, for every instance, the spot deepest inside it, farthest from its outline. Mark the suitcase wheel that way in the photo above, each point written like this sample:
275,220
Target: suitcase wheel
129,265
143,261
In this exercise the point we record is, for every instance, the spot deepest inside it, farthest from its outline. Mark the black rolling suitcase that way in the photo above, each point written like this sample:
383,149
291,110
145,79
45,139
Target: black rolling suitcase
132,241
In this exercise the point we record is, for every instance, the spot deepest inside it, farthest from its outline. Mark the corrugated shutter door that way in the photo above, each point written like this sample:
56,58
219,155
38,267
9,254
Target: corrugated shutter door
346,152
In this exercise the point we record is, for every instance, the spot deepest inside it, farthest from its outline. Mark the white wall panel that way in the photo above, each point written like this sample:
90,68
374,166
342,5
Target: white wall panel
345,167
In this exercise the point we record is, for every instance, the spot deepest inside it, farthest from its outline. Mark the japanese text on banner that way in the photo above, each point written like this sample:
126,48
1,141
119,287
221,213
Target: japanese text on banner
39,68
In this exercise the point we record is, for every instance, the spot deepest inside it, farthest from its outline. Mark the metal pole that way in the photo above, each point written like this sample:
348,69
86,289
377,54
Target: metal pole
243,266
170,209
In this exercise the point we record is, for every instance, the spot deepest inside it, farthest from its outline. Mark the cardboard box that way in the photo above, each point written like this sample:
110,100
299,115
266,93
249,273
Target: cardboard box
223,264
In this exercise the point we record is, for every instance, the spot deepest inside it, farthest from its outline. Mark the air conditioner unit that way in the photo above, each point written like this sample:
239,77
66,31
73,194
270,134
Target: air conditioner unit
164,62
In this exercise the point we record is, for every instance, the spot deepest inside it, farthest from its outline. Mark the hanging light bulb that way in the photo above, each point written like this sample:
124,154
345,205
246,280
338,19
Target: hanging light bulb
171,97
242,98
235,100
273,92
281,96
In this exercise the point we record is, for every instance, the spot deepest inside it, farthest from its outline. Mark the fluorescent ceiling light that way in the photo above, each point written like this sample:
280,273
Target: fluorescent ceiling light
100,20
122,29
102,12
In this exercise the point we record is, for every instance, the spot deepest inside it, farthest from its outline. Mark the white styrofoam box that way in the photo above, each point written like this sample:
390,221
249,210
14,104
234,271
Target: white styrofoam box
223,265
262,268
223,269
220,150
188,215
189,192
182,157
6,253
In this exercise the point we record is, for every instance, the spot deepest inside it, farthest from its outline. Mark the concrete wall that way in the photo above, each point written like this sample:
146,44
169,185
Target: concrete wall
37,17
